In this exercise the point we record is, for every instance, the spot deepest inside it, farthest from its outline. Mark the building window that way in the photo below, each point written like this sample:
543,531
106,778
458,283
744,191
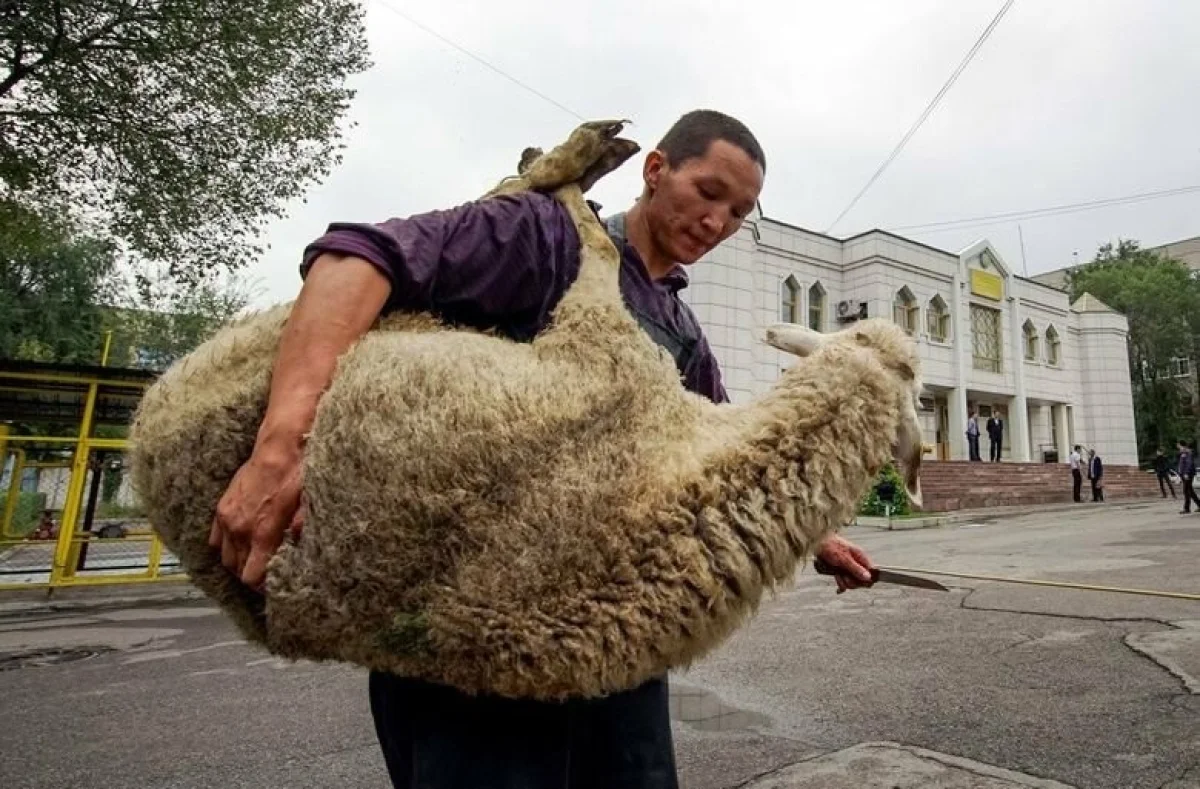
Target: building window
985,338
816,307
1031,342
1180,367
789,307
937,320
1052,347
905,310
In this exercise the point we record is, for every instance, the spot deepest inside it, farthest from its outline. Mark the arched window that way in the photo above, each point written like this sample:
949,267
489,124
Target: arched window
789,307
1053,354
1031,341
816,307
905,310
937,320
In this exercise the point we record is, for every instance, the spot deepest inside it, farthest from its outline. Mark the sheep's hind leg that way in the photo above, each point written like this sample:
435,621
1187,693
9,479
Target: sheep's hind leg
592,151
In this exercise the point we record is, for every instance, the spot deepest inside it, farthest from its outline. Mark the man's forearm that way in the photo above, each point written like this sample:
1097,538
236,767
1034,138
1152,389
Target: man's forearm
340,299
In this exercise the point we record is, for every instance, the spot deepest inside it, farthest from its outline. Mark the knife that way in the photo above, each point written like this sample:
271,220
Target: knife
885,576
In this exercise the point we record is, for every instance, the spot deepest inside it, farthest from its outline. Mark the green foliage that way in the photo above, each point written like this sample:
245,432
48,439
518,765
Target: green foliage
872,505
62,292
1160,297
179,126
54,282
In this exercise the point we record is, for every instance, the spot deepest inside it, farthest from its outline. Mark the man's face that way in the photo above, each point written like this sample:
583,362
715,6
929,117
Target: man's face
699,204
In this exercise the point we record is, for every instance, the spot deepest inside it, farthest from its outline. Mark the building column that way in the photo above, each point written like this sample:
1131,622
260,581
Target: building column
1018,418
956,406
1060,424
956,399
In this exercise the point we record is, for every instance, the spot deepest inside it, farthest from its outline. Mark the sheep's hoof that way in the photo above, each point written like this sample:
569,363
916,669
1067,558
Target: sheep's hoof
528,157
588,150
615,154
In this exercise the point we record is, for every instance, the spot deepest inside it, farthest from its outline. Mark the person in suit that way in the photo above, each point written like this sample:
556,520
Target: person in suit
1096,475
995,431
1187,475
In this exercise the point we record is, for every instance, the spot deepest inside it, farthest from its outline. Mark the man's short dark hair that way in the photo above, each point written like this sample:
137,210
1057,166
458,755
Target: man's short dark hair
691,135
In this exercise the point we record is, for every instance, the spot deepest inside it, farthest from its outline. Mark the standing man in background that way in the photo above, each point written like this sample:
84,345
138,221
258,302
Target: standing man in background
1187,476
1096,475
973,436
1076,473
995,431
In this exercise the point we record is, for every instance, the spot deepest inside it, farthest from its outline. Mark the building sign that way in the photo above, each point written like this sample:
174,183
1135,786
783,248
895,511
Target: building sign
987,285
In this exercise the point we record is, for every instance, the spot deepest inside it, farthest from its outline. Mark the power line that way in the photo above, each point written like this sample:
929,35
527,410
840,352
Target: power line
480,60
1037,213
928,110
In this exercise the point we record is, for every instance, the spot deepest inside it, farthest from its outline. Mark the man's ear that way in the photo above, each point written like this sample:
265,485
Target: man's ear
652,169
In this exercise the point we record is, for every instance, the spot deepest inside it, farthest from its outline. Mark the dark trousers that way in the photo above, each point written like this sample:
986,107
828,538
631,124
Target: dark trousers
1164,482
1097,491
973,447
1189,494
994,450
434,737
1077,477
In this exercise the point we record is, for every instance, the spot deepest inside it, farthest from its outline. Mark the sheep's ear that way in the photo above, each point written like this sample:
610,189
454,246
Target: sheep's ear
794,338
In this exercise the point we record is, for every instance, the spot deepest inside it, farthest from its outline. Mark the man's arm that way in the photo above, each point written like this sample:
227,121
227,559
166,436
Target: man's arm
339,301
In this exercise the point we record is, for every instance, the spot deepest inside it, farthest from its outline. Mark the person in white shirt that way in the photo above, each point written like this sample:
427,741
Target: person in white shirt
1076,473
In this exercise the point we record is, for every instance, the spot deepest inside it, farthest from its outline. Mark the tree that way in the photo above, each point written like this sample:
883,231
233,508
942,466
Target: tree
62,292
1161,300
179,127
54,283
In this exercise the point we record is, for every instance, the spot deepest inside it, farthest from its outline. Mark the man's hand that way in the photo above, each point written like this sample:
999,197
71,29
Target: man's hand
852,564
260,505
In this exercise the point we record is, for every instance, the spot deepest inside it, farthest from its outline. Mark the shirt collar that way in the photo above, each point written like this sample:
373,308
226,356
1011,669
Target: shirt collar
675,280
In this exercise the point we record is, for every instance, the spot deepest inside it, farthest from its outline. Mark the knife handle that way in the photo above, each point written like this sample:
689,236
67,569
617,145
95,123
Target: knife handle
824,568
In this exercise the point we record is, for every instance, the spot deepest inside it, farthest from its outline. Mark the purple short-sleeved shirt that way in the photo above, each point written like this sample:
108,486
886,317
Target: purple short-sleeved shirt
504,263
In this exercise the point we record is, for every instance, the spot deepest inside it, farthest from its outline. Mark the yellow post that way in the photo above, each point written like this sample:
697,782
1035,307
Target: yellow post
66,552
155,556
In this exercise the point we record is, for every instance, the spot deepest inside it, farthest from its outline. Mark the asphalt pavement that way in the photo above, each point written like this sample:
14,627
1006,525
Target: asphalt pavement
988,685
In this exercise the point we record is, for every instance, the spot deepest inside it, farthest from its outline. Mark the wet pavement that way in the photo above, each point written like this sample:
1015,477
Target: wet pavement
989,685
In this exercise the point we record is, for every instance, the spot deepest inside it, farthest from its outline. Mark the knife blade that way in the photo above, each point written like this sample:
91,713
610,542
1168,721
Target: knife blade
882,575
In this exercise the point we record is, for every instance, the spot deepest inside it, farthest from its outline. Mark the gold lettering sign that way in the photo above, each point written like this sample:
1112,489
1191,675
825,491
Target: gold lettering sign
987,285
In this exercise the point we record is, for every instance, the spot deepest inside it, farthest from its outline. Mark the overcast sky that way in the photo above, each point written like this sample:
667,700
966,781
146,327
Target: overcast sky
1067,101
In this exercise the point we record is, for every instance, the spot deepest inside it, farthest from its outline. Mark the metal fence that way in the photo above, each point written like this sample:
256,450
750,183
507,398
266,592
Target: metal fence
68,516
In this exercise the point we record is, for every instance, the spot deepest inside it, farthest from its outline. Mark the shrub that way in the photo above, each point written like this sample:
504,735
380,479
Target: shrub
873,505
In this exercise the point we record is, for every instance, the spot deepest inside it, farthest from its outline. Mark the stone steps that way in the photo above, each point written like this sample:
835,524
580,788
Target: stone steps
954,485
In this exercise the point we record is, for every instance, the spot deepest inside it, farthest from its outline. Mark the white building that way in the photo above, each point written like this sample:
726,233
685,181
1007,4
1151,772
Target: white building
991,341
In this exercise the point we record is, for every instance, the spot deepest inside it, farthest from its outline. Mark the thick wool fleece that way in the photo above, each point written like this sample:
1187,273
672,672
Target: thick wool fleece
552,519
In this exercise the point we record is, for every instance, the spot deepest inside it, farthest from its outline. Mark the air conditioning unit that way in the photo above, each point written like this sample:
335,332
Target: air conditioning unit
851,310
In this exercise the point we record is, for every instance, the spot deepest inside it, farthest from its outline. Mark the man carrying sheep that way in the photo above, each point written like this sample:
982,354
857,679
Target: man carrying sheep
503,264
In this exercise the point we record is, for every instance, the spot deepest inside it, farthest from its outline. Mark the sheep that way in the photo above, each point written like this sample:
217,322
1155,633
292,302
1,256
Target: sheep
543,520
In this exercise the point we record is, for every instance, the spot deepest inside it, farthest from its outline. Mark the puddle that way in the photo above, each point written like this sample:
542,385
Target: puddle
704,710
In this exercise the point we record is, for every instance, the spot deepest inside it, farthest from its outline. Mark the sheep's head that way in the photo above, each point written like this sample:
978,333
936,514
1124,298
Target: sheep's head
898,354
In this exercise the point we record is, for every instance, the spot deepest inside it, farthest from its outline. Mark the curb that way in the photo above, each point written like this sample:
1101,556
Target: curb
944,519
20,604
